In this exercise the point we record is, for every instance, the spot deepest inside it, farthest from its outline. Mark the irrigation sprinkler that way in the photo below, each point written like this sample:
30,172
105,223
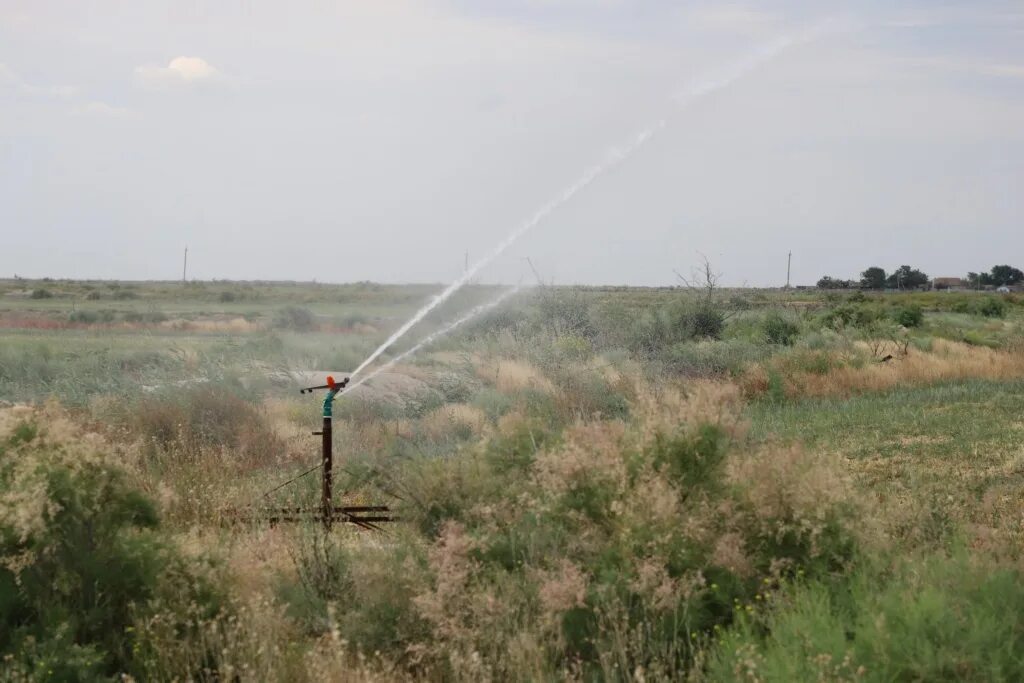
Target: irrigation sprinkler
364,516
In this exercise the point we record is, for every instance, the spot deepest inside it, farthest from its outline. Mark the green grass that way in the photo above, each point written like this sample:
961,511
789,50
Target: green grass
958,418
948,458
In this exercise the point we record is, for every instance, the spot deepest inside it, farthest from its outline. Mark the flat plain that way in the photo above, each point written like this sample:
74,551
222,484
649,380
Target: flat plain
591,483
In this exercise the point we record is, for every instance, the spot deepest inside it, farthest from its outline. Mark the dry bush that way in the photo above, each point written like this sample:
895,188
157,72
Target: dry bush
203,421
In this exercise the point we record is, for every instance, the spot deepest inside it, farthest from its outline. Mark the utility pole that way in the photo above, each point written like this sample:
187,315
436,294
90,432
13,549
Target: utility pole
465,267
789,264
184,269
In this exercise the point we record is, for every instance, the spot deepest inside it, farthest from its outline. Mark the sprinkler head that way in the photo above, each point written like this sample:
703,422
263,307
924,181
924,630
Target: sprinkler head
331,385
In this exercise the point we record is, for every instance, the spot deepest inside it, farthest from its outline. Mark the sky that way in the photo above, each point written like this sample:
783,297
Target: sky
349,140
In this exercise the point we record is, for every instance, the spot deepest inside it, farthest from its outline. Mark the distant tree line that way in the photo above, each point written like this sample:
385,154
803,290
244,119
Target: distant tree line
906,277
999,276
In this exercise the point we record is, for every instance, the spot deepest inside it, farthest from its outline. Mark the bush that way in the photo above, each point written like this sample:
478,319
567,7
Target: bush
86,317
991,307
713,358
492,402
421,403
681,321
576,547
931,619
93,296
455,388
81,560
339,587
42,294
294,318
909,316
584,394
850,315
778,330
187,422
705,322
144,317
565,312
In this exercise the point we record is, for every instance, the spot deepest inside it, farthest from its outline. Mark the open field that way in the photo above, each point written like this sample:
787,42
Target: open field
593,484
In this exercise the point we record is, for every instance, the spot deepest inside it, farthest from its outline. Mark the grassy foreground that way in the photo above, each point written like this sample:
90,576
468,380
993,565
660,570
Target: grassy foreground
594,484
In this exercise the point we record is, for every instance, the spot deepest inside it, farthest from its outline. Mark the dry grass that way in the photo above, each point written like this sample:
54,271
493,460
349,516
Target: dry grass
948,361
511,375
449,419
229,325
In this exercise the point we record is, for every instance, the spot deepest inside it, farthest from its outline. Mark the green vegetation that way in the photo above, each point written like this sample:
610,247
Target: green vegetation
931,619
83,561
593,483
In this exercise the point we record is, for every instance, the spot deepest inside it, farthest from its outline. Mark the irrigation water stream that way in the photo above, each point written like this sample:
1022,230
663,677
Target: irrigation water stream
472,313
714,81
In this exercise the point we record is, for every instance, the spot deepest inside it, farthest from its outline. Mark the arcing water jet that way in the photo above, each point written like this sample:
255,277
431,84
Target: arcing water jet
434,336
715,81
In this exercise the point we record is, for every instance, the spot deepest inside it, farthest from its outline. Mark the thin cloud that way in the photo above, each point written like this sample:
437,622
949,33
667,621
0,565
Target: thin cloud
11,80
104,110
180,71
733,18
1004,70
968,67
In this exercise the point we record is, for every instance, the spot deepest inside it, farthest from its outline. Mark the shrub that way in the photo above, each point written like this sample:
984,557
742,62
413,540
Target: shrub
850,315
42,294
492,402
909,316
339,588
144,317
991,307
294,318
187,422
931,619
578,551
585,394
455,388
93,296
706,322
81,559
125,294
571,347
778,330
713,358
565,312
86,317
681,321
421,403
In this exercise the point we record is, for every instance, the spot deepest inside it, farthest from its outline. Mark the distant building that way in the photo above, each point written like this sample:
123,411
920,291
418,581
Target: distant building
949,283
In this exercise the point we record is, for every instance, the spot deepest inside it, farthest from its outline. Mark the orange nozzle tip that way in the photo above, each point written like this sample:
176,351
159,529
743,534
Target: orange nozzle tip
330,380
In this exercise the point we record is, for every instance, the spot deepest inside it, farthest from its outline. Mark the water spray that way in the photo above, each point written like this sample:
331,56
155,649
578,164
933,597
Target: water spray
434,336
705,86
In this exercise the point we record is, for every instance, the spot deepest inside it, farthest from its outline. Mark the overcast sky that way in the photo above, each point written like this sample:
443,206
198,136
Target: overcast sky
383,139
